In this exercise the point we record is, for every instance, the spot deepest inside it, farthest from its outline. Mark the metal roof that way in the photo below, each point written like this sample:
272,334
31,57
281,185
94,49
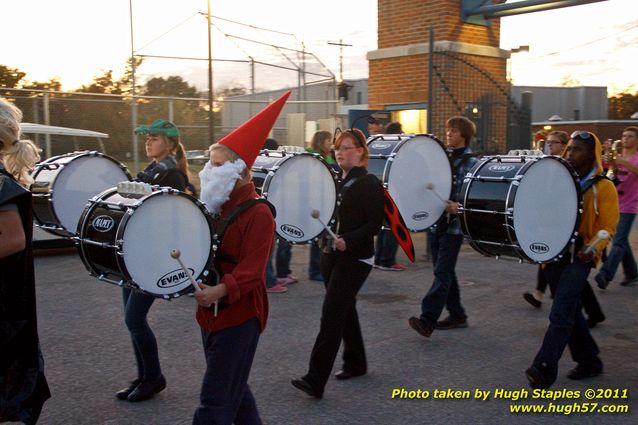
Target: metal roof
31,128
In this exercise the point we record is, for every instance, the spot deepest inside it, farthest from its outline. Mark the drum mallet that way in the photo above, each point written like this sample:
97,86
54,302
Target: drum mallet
430,186
317,215
175,253
602,235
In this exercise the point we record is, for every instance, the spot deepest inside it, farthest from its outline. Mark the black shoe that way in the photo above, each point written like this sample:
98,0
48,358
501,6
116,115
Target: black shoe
629,281
579,373
535,378
303,385
147,389
592,321
602,281
342,375
420,326
532,300
123,394
450,323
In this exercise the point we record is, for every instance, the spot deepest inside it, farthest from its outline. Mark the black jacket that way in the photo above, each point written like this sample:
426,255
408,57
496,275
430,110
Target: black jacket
360,214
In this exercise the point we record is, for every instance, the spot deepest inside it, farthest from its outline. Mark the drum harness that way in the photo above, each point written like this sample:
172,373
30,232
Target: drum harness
458,162
218,237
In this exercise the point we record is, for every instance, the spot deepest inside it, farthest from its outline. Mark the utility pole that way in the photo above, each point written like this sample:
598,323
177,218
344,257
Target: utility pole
341,46
211,122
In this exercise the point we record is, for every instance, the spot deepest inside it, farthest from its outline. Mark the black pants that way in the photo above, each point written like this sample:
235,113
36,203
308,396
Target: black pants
339,320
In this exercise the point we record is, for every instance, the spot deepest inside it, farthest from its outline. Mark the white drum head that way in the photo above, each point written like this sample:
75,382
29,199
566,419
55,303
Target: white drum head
419,161
160,224
302,183
545,209
80,180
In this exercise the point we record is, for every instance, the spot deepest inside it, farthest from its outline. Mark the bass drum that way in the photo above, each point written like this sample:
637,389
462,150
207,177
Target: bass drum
296,184
407,165
523,207
64,184
126,239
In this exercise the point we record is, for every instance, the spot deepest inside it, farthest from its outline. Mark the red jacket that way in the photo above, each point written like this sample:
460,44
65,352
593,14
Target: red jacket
249,239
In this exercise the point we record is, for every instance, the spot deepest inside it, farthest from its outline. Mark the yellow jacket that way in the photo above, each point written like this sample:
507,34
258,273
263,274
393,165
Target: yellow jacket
600,208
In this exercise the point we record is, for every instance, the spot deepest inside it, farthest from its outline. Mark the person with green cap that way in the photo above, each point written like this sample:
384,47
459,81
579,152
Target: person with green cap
167,168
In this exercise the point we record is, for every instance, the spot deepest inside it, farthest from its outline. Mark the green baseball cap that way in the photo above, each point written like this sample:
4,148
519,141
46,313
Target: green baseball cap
164,127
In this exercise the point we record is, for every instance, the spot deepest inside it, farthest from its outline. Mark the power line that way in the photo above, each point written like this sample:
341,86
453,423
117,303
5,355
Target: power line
585,44
171,29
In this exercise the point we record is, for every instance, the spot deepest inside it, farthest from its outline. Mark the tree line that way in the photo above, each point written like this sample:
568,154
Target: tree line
111,112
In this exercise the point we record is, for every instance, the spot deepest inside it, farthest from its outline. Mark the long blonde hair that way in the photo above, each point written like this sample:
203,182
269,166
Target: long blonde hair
18,156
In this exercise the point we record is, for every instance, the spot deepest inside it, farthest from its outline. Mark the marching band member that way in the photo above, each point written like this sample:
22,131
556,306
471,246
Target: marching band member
445,241
167,168
345,267
23,386
625,170
230,337
567,278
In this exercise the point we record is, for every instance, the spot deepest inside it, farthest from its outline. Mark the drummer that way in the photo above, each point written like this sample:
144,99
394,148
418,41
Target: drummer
567,278
446,239
168,167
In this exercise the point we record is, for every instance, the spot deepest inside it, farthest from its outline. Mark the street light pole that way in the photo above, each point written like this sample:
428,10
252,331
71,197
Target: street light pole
211,123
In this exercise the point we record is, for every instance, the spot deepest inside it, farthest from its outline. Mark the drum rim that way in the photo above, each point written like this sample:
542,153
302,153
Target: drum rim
335,178
508,222
119,236
124,273
61,230
403,139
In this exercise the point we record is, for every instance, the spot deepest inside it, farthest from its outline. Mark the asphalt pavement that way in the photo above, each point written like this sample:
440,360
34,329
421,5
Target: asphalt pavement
88,352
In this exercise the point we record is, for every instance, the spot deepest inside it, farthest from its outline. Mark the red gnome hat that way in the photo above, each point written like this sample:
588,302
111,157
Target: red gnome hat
248,139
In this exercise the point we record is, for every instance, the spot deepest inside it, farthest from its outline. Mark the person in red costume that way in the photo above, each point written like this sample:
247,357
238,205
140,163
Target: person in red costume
230,331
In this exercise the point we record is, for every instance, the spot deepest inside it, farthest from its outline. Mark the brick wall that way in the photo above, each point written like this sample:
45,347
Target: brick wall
404,79
402,22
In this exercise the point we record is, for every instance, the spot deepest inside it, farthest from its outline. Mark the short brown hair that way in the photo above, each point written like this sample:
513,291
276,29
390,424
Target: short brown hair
563,136
464,125
631,128
359,141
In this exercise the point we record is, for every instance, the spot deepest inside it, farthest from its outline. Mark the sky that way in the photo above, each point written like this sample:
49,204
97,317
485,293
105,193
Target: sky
73,40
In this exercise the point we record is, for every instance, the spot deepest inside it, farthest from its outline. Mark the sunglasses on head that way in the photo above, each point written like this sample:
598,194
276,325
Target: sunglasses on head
582,135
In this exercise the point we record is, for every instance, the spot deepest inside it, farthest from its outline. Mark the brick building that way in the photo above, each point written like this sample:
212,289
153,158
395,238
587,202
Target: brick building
470,67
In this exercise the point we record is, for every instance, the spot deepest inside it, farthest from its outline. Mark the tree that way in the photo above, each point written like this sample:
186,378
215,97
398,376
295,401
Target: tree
173,85
569,80
10,77
623,105
102,83
231,91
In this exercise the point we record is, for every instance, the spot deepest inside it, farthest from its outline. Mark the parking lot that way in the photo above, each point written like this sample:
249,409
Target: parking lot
88,352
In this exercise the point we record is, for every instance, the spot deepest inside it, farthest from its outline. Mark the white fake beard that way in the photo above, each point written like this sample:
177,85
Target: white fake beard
218,182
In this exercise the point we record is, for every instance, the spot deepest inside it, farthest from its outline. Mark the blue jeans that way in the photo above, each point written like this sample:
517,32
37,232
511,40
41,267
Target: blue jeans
282,260
270,273
386,248
621,250
567,325
136,307
445,288
226,398
314,269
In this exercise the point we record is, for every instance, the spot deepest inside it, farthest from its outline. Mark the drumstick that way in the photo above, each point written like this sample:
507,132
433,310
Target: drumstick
430,186
175,253
317,215
600,236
